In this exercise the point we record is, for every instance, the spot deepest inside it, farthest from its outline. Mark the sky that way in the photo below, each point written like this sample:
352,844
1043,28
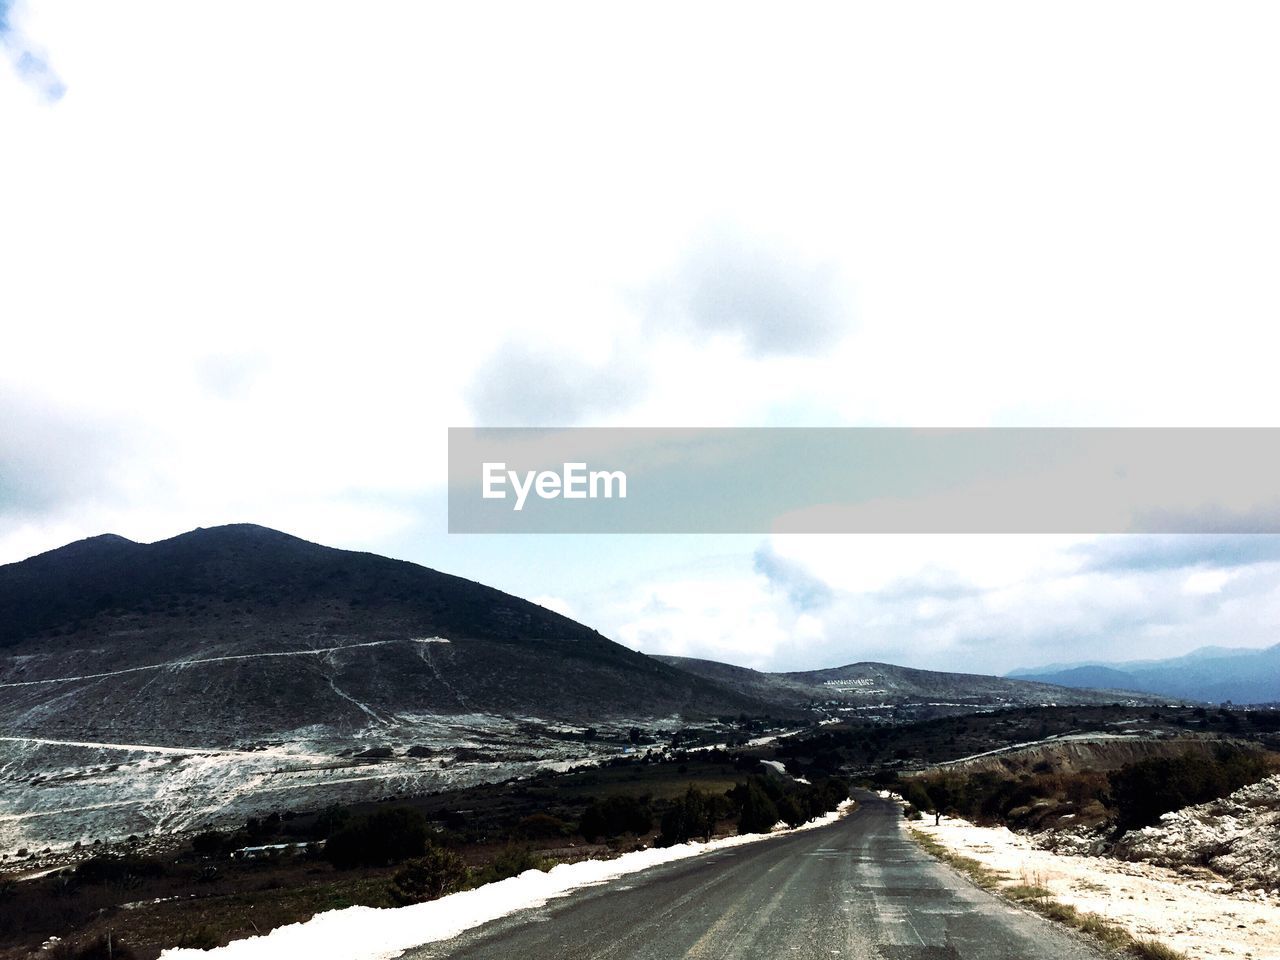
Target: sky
256,259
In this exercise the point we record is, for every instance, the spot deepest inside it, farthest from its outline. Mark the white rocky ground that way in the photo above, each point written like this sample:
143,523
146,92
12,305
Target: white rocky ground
1193,911
1237,837
56,792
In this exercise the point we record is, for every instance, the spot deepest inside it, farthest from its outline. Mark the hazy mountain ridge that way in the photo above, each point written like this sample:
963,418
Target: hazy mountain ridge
870,684
1212,674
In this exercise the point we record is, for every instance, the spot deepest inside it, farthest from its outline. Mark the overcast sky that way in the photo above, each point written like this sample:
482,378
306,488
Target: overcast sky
254,259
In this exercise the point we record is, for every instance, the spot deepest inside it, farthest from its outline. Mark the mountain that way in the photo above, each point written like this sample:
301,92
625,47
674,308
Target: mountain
1212,674
873,685
241,631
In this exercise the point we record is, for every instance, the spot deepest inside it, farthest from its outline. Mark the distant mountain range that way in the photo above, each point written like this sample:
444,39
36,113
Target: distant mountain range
1210,674
867,685
238,632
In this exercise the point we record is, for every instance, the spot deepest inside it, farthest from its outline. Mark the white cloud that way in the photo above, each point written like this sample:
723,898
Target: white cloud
276,250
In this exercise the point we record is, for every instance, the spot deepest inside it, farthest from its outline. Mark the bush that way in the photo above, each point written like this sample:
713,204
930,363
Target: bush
512,862
615,816
791,813
759,814
113,869
199,938
329,821
1145,790
426,878
105,947
388,836
692,816
542,826
210,843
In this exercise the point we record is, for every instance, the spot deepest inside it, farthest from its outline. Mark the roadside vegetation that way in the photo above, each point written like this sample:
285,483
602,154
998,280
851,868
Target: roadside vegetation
220,885
232,881
1136,795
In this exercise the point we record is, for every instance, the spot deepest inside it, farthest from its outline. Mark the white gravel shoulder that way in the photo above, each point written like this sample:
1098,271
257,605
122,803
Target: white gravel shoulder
1197,915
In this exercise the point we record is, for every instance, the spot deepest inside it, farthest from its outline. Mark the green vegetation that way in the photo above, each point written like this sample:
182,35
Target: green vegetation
105,947
614,816
758,811
1143,791
117,869
381,838
1133,796
511,862
693,817
437,873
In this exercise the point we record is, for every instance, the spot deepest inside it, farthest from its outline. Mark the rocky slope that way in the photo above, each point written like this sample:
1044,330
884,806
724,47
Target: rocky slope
1237,837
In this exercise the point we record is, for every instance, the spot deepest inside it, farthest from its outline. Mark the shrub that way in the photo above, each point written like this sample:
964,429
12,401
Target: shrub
209,843
388,836
199,938
113,869
1145,790
330,820
691,816
542,826
615,816
437,873
105,947
790,812
759,814
511,862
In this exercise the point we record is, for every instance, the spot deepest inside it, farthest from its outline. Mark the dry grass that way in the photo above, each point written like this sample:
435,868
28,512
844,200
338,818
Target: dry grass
1032,893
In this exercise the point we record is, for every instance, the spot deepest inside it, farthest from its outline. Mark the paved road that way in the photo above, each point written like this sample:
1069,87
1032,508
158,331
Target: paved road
858,888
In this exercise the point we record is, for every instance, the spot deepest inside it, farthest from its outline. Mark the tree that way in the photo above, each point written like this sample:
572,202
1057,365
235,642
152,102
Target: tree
691,816
759,814
614,816
388,836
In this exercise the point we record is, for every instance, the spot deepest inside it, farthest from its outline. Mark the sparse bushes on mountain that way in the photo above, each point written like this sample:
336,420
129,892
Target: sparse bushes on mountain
433,875
262,828
615,816
388,836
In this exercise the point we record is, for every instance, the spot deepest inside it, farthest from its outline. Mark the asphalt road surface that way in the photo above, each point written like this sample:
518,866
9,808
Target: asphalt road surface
858,888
